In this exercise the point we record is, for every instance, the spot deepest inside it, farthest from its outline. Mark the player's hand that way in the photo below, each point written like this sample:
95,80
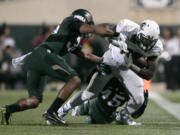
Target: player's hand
103,31
128,60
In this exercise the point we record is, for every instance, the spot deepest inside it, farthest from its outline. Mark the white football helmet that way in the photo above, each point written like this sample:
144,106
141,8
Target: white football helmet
148,34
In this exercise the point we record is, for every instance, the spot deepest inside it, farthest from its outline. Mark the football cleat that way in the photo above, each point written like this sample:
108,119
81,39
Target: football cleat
53,119
124,119
62,112
5,116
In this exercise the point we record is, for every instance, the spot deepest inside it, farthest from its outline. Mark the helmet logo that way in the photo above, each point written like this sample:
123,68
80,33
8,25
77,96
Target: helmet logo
88,16
81,18
143,25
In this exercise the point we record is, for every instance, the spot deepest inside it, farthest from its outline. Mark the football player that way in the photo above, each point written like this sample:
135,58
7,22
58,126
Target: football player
102,109
133,41
47,60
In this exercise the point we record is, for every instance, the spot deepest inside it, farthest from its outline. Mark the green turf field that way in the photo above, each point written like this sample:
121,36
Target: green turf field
173,96
155,121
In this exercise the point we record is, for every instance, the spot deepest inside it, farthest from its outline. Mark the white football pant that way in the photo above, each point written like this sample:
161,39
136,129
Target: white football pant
132,82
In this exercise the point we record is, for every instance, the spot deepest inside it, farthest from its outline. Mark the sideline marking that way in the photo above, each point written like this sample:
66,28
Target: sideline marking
170,107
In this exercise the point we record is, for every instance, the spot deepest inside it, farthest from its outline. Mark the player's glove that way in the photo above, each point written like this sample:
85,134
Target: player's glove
104,69
121,44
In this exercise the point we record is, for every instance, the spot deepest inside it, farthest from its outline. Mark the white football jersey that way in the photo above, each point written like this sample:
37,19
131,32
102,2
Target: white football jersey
129,29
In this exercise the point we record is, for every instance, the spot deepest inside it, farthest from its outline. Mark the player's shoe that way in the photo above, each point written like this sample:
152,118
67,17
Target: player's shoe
5,116
75,111
53,119
62,112
124,119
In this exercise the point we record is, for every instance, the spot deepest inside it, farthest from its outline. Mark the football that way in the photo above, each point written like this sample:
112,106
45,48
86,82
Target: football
139,60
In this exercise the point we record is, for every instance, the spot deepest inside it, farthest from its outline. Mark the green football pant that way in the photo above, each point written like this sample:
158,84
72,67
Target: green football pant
96,114
42,63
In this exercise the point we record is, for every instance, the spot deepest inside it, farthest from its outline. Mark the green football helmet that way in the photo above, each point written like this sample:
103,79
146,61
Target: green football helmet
83,15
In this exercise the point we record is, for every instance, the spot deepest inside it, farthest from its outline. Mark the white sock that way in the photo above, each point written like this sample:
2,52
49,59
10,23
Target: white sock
67,107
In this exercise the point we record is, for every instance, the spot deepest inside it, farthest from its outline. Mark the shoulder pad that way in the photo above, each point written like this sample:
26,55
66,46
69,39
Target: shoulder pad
127,27
126,24
157,49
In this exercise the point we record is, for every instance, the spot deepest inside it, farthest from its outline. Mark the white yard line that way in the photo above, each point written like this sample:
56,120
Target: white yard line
172,108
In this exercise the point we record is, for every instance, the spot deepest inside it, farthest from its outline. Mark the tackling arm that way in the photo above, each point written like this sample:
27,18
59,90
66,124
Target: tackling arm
89,56
108,25
100,30
148,72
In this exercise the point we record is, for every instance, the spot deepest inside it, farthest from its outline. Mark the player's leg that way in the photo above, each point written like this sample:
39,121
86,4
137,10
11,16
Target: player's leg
76,99
88,93
134,85
95,85
35,87
99,113
92,110
82,109
64,93
56,67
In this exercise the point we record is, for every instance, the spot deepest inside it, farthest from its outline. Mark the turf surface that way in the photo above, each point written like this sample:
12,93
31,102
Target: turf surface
155,121
173,96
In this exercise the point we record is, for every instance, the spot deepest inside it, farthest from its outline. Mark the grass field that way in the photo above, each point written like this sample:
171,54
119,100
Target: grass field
155,121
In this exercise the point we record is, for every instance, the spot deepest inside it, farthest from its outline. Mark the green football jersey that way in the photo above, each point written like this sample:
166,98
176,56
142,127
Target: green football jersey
112,96
102,108
66,37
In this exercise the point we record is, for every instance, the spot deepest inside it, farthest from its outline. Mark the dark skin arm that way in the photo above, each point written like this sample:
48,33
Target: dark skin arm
148,72
89,56
100,30
108,25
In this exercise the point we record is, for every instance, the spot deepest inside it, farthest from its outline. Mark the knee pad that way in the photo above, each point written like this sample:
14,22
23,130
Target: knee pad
140,100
